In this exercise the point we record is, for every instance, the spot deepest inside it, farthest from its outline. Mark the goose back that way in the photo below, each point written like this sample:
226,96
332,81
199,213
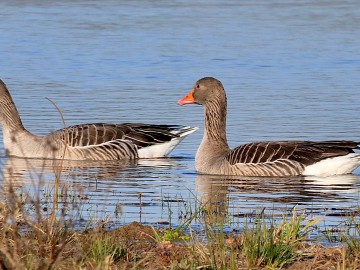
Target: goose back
283,158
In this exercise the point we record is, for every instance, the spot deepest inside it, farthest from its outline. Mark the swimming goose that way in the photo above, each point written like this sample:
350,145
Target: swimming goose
273,158
96,141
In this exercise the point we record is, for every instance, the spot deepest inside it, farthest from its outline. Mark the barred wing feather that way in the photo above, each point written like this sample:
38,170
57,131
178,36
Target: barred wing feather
304,152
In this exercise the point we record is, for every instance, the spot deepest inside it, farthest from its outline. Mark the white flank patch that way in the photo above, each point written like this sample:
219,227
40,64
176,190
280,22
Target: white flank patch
159,150
334,166
163,149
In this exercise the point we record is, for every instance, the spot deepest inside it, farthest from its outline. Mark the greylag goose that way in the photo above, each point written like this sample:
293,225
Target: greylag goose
96,141
273,158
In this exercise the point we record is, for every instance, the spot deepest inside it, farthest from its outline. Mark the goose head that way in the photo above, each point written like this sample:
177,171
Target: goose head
206,90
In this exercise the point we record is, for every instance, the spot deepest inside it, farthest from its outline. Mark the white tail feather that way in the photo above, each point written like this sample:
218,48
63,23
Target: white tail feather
334,166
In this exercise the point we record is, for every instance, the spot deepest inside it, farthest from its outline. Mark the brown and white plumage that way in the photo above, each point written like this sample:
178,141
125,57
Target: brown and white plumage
274,158
96,141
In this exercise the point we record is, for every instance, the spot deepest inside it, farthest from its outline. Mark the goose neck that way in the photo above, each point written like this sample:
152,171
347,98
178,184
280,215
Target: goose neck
215,123
9,115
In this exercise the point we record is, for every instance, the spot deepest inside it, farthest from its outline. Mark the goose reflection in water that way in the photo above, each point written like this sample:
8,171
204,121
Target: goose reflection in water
247,196
22,171
102,187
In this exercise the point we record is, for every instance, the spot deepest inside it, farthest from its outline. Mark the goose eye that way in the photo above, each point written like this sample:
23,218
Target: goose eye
198,86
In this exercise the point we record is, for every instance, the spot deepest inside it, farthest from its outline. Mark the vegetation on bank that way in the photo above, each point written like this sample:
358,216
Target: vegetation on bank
37,232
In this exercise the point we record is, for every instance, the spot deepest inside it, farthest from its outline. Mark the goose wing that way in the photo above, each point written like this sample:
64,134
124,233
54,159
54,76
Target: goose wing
144,135
291,156
101,141
141,135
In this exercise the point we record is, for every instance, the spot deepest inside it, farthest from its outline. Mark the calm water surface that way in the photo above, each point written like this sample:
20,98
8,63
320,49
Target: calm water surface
291,71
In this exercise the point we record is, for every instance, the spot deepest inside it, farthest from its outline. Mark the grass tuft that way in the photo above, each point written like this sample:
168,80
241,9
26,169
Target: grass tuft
102,250
275,245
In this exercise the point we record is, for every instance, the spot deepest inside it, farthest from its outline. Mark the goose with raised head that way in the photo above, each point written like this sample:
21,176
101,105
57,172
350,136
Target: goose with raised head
97,141
272,158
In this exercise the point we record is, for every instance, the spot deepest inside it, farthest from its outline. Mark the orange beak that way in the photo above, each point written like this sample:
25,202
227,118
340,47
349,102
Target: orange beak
189,99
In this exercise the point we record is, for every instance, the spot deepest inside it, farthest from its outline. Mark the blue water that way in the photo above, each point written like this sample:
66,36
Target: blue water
291,71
